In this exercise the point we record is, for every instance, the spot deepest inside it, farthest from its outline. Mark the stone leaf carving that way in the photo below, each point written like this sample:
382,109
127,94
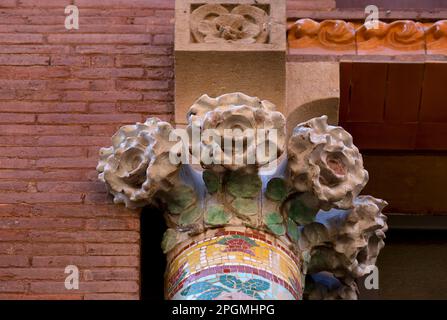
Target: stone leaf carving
243,114
137,164
345,243
324,161
214,23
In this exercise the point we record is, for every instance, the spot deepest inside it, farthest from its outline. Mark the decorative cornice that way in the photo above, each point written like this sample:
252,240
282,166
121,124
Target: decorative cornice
339,37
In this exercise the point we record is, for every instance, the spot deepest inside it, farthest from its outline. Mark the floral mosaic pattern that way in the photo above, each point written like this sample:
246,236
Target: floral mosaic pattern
228,283
238,243
236,266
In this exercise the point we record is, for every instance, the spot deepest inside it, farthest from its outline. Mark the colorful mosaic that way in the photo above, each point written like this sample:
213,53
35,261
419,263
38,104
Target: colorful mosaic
234,265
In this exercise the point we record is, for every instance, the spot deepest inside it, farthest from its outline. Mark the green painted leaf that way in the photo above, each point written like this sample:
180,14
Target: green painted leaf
292,230
217,216
180,199
245,207
243,185
197,288
276,189
273,218
169,240
277,228
190,216
230,281
300,213
211,180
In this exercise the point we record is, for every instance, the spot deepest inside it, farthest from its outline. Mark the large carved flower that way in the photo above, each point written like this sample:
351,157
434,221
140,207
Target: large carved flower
324,161
215,23
254,130
137,165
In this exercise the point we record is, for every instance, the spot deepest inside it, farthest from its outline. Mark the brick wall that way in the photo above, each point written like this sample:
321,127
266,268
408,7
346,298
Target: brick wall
62,95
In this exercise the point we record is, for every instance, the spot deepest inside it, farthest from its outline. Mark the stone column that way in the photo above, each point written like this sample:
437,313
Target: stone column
249,224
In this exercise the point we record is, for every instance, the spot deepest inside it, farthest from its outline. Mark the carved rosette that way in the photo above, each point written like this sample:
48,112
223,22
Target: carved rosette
137,165
214,23
233,118
324,162
232,231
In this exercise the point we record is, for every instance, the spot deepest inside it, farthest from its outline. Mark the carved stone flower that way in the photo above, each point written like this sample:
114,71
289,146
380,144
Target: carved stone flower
243,122
324,161
215,23
137,165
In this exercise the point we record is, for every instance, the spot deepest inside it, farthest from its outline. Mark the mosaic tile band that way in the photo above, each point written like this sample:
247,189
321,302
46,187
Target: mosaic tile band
229,264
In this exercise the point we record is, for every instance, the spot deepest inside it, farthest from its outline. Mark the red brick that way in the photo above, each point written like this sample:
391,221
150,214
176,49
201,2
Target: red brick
72,141
31,296
113,224
41,223
16,118
13,261
44,175
98,73
36,249
7,3
153,108
102,61
160,4
34,72
122,49
113,249
102,107
41,107
102,95
99,38
163,39
86,236
85,261
142,85
33,274
12,286
44,4
144,60
86,287
27,197
58,49
13,186
34,152
73,61
111,296
22,84
50,186
111,274
23,59
7,38
89,118
15,140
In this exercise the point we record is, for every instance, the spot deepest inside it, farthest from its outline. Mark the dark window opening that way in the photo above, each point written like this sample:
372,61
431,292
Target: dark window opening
153,261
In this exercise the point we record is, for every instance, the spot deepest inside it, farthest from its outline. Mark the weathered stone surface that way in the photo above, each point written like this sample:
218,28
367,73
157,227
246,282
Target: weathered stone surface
324,161
214,23
137,164
310,204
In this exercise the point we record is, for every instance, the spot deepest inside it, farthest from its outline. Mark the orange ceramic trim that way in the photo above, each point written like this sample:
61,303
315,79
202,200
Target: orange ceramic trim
339,37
